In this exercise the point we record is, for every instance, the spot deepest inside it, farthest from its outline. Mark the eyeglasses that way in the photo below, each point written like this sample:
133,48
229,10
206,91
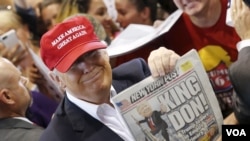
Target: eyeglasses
5,7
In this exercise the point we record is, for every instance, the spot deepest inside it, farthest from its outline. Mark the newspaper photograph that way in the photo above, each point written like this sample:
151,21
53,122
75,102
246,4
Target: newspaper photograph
180,106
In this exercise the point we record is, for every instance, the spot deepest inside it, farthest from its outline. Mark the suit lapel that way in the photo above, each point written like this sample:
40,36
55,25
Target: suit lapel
84,124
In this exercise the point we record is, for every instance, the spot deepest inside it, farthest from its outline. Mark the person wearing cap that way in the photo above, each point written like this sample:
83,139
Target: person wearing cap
239,70
14,102
79,64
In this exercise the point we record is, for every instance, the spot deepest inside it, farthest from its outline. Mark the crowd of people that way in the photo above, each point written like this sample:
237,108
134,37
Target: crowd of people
88,77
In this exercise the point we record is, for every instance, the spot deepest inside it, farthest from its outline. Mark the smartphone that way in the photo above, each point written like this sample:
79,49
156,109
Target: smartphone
9,39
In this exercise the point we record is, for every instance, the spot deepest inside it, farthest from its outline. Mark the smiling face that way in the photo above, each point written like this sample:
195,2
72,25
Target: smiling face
144,109
89,78
98,10
192,7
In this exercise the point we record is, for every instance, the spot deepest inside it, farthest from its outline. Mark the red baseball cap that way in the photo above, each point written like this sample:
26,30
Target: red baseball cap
65,42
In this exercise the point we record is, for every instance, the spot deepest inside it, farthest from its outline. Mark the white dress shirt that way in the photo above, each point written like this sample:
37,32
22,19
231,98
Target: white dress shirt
105,114
24,119
242,44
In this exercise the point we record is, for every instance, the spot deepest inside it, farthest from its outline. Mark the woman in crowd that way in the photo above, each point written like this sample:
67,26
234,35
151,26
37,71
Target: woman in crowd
95,8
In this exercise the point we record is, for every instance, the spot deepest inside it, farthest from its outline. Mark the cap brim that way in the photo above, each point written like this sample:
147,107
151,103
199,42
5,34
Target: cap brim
70,58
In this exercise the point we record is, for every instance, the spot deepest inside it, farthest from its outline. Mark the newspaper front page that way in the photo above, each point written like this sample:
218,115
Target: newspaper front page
180,106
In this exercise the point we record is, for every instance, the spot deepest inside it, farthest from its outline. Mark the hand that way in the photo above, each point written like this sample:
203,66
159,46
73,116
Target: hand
162,61
240,13
157,23
15,54
110,27
35,76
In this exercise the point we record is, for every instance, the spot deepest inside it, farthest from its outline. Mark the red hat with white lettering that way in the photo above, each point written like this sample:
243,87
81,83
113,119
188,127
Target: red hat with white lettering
65,42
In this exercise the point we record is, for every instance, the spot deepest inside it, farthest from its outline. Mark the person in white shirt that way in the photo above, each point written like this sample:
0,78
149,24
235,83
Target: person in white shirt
80,65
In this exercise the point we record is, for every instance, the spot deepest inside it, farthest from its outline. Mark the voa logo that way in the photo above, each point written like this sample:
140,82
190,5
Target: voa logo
236,132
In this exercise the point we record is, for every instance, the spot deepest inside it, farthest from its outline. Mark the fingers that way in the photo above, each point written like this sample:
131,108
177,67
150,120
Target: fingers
154,62
240,13
15,54
157,23
162,61
237,6
34,75
233,9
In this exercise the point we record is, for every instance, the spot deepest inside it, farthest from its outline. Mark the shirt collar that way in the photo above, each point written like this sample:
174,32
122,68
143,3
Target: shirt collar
242,44
92,108
24,119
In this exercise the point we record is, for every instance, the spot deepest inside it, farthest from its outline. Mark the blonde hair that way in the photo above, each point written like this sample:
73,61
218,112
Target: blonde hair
141,106
68,8
9,20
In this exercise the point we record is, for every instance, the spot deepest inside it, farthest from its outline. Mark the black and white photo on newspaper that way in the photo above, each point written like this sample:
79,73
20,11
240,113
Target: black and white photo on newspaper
180,106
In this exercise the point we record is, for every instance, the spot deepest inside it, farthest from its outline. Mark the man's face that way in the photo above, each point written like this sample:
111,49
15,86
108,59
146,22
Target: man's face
19,89
12,80
90,77
145,110
192,7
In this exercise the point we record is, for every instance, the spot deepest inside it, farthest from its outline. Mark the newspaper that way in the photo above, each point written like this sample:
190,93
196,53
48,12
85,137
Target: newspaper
181,104
137,35
58,93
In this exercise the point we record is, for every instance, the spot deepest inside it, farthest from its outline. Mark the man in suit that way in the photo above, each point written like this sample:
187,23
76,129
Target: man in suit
79,64
153,119
14,101
239,71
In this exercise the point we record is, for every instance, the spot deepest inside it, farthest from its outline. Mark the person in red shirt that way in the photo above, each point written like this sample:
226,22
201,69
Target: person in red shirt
212,38
202,26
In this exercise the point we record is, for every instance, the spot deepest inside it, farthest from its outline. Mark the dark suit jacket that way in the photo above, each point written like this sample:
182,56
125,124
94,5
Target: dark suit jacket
239,73
19,130
70,123
157,120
